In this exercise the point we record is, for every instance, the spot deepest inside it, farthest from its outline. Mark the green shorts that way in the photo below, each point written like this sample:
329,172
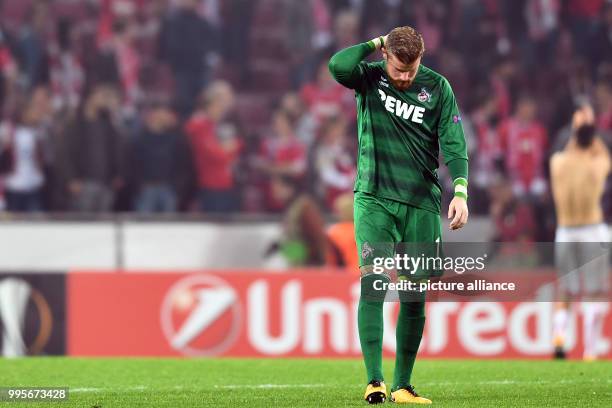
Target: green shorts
384,228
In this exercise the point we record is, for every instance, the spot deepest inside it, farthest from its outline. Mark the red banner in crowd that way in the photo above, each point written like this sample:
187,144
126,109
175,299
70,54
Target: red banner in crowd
298,314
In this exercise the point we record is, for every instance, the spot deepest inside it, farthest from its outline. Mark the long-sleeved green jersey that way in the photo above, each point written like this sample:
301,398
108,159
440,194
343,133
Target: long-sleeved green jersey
401,132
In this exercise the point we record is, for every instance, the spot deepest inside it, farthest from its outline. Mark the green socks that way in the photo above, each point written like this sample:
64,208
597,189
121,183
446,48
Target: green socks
370,325
410,324
408,334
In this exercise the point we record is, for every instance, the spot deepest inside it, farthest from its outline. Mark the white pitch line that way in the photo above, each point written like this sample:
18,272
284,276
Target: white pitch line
462,383
515,382
277,386
266,386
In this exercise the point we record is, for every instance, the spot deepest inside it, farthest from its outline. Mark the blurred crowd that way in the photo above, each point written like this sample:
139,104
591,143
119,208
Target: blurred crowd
220,106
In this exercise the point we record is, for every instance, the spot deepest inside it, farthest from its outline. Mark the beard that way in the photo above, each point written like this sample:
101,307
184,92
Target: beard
401,85
585,135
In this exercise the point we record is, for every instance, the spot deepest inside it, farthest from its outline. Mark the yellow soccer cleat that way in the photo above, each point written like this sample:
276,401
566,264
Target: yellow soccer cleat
376,392
407,395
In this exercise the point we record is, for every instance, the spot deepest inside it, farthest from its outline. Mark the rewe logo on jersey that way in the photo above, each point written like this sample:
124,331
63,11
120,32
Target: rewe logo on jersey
402,109
201,315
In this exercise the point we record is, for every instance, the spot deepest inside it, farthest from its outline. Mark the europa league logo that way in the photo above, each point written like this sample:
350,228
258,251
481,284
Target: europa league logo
14,296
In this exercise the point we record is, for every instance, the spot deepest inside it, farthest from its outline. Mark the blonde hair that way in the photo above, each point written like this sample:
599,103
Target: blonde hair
405,43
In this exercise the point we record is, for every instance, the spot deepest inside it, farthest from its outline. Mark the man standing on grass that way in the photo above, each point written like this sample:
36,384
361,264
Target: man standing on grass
406,113
578,178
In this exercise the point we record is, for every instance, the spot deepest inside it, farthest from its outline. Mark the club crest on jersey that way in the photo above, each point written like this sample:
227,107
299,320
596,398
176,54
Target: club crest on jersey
424,95
366,250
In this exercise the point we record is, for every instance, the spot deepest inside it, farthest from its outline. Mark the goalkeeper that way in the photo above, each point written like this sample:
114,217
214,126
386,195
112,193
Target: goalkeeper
406,113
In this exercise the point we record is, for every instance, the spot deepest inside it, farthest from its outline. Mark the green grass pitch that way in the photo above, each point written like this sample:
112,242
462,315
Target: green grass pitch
107,383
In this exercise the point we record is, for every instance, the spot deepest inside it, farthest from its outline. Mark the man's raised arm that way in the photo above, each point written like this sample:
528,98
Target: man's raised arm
345,64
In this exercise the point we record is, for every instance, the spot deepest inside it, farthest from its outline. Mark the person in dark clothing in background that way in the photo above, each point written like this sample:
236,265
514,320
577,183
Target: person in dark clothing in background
158,161
33,57
9,73
185,43
94,150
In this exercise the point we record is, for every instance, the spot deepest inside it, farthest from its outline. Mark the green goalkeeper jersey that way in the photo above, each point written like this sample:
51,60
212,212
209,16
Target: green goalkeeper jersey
401,132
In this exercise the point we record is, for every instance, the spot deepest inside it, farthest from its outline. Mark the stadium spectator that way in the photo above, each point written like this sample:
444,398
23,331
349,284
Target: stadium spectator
128,64
428,21
186,41
112,12
514,226
33,54
67,75
486,161
582,16
501,82
157,161
542,17
236,33
325,98
298,39
322,23
334,161
102,67
317,33
304,123
282,154
215,147
22,156
523,144
94,153
346,28
8,72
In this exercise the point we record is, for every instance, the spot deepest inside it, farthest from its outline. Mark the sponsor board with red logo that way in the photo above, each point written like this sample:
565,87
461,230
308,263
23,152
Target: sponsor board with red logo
298,314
